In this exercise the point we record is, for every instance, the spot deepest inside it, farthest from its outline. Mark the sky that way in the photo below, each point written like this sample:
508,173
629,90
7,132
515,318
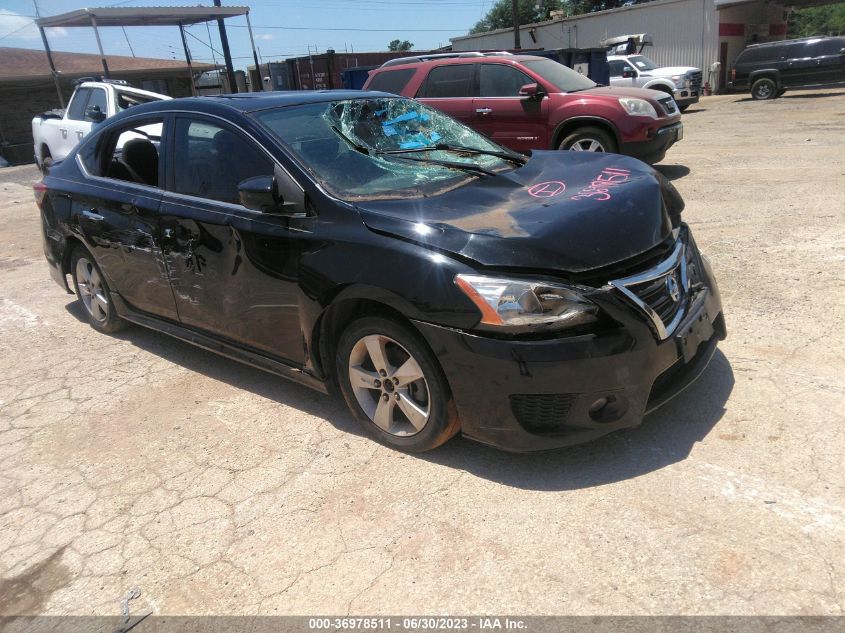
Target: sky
344,25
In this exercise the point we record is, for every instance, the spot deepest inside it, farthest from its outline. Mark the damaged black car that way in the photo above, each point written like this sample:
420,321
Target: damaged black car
445,284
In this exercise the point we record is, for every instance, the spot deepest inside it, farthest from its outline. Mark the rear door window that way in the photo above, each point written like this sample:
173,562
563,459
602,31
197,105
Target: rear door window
828,47
393,81
454,80
499,80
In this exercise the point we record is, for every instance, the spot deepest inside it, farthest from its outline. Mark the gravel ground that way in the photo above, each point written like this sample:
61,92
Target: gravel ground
139,461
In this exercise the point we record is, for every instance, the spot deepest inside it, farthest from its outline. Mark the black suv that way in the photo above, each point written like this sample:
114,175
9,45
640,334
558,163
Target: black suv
769,69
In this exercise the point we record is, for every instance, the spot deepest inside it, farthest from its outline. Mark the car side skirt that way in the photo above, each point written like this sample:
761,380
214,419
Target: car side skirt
219,346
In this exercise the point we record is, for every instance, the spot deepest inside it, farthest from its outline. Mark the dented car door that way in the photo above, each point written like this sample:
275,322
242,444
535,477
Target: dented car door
233,270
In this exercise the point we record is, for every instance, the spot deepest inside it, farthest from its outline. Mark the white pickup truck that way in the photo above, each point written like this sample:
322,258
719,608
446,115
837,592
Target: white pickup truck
629,68
57,132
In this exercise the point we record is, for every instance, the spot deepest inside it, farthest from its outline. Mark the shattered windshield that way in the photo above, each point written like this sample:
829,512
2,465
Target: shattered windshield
379,148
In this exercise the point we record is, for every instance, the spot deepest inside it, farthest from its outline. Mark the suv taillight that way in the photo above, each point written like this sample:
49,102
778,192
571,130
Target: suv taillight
733,74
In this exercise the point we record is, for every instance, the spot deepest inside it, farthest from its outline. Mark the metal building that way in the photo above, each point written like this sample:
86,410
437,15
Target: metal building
708,34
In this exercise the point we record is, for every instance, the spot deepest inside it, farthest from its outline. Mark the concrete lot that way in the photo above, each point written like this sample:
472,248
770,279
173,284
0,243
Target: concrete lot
138,461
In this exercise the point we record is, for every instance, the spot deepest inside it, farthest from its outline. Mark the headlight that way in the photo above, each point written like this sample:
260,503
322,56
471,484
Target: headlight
637,107
526,304
679,81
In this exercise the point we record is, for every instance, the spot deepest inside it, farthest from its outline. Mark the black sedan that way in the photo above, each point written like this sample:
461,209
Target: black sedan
444,283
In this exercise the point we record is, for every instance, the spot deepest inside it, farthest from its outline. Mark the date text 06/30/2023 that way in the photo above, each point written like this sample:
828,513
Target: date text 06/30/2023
484,623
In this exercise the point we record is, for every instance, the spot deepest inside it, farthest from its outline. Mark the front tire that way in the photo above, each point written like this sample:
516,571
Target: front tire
764,88
92,292
588,139
46,160
394,386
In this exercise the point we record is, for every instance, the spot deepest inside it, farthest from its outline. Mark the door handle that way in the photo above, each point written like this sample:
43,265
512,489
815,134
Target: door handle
90,214
63,131
79,134
484,110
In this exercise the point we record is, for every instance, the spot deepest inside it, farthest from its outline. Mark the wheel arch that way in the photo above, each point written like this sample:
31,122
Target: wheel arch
349,304
766,73
570,125
662,86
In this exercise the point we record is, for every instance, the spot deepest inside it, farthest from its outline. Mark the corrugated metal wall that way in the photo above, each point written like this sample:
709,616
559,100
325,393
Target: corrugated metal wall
686,32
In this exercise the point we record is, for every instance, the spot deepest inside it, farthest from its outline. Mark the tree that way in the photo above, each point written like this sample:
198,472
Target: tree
825,20
396,45
500,15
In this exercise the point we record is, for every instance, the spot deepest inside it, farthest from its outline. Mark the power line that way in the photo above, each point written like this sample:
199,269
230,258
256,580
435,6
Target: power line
397,29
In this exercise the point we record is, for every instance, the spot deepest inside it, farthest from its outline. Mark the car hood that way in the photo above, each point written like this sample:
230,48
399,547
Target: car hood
670,70
562,211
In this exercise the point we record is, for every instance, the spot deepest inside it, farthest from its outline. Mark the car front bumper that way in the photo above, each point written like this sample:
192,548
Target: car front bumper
534,395
686,96
655,148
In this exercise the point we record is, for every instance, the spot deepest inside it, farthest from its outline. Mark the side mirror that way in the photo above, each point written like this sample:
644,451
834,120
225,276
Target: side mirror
258,194
532,91
278,194
93,113
628,73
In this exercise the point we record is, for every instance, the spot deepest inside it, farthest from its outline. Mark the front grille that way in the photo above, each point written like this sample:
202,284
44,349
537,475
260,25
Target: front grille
668,104
640,263
661,292
695,80
542,412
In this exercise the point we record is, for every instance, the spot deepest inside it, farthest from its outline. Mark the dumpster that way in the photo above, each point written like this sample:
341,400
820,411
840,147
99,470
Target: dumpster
355,78
591,62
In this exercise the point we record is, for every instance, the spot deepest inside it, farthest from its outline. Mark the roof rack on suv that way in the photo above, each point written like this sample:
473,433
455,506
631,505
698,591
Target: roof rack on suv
797,39
416,59
117,82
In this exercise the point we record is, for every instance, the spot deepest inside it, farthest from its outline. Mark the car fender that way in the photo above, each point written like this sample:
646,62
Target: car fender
582,121
772,73
664,85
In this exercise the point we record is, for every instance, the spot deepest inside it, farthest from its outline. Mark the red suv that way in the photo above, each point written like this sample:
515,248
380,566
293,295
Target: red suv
526,102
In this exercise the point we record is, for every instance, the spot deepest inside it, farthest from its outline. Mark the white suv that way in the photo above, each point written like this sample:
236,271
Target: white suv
682,82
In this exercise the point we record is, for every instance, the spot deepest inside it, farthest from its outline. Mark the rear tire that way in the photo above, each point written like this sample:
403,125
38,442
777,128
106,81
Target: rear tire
92,292
394,386
764,88
588,139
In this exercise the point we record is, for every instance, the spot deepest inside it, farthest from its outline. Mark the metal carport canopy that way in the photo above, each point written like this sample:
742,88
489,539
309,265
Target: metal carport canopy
142,16
147,16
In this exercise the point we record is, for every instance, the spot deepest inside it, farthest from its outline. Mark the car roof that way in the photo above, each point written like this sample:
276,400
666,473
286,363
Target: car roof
448,61
122,88
796,41
253,101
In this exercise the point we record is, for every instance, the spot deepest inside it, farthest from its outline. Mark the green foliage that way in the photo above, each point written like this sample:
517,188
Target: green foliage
825,20
500,15
396,45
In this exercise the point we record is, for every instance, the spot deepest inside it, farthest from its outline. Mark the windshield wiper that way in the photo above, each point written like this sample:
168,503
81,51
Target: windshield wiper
443,163
352,144
445,147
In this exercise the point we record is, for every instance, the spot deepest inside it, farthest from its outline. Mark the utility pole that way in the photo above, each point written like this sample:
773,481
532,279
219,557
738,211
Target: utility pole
224,42
515,11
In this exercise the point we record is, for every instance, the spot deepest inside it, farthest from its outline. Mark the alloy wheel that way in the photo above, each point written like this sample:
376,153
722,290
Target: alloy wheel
389,385
91,290
586,145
